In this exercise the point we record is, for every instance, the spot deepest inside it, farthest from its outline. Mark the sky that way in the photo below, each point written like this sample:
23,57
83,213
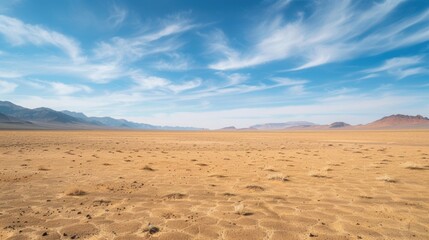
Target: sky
218,63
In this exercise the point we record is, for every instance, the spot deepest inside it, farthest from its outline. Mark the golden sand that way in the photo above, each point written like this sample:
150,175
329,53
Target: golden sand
214,185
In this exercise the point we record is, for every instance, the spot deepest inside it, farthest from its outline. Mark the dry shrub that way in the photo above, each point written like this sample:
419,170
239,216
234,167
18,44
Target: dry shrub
278,177
75,192
387,178
318,174
413,166
147,168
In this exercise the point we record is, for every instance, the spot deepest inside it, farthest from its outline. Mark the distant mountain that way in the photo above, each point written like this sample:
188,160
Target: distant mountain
230,128
6,119
122,123
42,115
400,121
280,126
339,125
9,119
13,116
46,118
8,122
108,121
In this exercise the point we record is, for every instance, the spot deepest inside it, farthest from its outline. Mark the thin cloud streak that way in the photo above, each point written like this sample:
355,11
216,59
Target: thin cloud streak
400,67
19,33
335,31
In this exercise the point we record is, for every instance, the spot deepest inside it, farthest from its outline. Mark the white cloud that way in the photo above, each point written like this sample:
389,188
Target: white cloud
335,31
134,48
117,15
150,82
297,90
68,89
9,74
411,71
296,86
157,83
234,79
110,60
185,86
7,87
400,67
372,75
173,62
398,62
278,5
19,33
288,81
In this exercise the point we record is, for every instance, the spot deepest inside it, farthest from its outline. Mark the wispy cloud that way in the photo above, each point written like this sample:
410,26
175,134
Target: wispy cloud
133,48
278,5
7,87
234,79
173,62
9,74
117,15
68,89
19,33
400,67
145,83
289,82
334,31
109,60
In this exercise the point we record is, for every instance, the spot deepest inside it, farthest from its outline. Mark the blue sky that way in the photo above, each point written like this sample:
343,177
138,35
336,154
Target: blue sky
217,63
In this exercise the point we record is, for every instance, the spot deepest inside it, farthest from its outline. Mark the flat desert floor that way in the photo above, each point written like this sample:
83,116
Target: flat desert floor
214,185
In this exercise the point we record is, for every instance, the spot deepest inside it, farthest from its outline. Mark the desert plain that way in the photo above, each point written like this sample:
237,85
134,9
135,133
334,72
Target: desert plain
214,185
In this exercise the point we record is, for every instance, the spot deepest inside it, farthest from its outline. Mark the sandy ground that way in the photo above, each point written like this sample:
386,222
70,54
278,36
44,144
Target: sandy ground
214,185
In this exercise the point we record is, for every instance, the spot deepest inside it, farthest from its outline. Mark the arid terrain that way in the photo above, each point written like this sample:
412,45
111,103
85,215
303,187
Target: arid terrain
214,185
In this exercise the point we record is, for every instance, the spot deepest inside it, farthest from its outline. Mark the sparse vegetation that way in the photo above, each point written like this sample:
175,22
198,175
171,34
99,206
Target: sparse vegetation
151,229
148,168
318,174
76,192
175,196
278,177
255,188
387,178
239,209
413,166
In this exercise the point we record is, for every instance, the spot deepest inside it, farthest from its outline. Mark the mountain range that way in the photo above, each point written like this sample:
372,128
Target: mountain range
397,121
13,116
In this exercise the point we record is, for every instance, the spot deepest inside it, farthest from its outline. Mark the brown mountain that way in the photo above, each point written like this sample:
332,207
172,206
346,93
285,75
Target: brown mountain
400,121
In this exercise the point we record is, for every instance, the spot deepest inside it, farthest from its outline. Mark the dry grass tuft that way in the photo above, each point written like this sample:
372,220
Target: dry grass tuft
327,169
229,194
255,188
239,209
75,192
413,166
42,168
269,169
318,174
218,176
147,168
278,177
387,178
151,229
175,196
